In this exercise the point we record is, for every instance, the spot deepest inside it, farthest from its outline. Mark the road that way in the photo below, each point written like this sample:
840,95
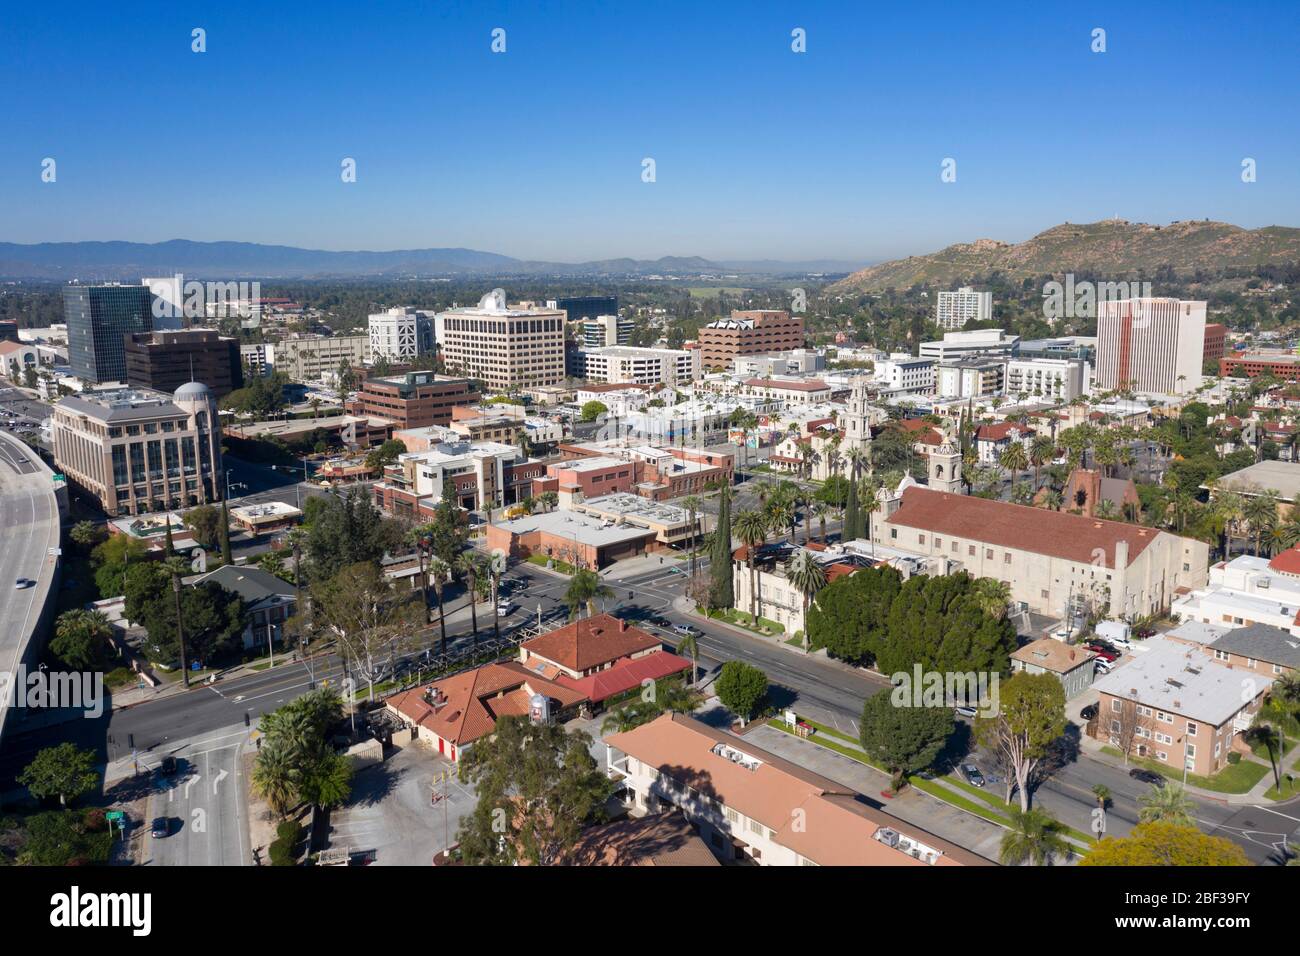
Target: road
29,529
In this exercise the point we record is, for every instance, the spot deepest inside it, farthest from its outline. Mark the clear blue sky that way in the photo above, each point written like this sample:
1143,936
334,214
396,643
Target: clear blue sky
537,152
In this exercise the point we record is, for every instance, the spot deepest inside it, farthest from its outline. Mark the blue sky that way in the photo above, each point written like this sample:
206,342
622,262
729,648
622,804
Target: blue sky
536,153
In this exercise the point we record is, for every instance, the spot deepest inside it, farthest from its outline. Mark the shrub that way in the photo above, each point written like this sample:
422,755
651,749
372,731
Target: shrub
1234,757
289,831
94,820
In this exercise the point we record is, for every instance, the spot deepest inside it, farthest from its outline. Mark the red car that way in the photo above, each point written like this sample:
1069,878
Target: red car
1104,654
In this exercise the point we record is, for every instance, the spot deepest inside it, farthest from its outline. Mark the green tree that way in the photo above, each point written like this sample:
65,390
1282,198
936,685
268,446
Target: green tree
807,577
205,523
751,528
87,534
274,778
537,787
585,587
905,739
741,688
1033,837
593,410
81,639
349,530
1030,716
111,559
63,771
372,622
722,592
385,454
1165,844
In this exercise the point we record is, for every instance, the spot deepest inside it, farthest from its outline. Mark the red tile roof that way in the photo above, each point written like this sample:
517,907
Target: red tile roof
1287,562
626,674
1037,530
1001,430
591,642
811,385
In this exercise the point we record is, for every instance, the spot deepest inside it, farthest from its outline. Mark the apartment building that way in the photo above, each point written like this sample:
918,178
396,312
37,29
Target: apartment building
513,347
642,366
1057,380
751,805
414,400
1177,704
137,451
317,358
905,375
603,468
258,359
794,362
794,392
166,360
969,379
992,440
1150,345
1050,559
748,333
959,346
952,310
400,335
604,330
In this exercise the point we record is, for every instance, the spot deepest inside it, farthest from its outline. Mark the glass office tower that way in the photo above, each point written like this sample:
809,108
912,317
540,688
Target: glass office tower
99,318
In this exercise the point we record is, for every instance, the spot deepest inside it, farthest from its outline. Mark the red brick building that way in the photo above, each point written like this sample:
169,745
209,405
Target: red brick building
1216,341
749,333
1282,365
414,400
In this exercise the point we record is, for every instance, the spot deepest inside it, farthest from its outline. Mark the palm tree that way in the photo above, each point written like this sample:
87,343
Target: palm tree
274,779
820,510
1167,804
1260,513
439,571
688,645
693,505
993,596
584,588
1014,459
470,564
1041,450
1105,510
496,567
1033,837
808,577
751,528
1102,793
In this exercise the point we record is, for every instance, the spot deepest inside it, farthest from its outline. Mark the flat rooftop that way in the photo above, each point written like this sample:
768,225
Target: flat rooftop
634,506
1280,476
582,529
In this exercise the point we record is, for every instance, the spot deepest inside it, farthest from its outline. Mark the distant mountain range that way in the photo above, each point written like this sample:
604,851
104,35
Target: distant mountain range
1114,248
134,260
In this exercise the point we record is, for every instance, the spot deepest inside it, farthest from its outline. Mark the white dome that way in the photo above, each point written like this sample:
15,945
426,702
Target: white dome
193,391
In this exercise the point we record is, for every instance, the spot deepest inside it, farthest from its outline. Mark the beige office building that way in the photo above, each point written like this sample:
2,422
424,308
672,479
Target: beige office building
139,451
505,347
316,358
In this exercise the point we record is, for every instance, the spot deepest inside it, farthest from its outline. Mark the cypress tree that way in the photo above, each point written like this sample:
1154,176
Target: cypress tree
225,533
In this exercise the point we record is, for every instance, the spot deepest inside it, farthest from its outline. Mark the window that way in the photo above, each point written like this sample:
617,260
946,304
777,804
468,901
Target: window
988,554
1191,728
1221,655
920,539
1006,557
1115,705
970,551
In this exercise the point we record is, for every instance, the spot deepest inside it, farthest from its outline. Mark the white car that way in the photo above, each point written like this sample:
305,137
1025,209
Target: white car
1104,666
504,608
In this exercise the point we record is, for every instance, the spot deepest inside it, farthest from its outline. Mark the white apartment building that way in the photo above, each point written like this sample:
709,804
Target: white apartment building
506,347
1247,590
258,359
313,358
616,364
906,374
1150,345
400,335
1060,380
957,346
955,309
605,330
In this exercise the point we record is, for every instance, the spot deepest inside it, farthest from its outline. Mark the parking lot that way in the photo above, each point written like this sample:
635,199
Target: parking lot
392,820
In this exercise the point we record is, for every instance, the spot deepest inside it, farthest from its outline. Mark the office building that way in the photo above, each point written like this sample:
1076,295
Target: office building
641,366
1150,345
317,358
99,318
748,333
1284,366
137,451
506,347
605,330
982,343
400,335
258,359
955,309
1216,341
414,400
166,360
973,378
1060,380
579,307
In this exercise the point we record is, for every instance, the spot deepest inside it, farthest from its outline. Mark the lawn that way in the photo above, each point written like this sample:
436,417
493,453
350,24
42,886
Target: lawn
556,564
742,619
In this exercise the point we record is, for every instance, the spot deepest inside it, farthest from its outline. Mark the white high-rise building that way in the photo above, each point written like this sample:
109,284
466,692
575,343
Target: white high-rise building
400,335
955,309
505,347
606,330
644,366
1150,345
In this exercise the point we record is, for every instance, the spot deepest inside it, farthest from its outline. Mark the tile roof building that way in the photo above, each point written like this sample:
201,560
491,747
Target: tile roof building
1049,558
751,805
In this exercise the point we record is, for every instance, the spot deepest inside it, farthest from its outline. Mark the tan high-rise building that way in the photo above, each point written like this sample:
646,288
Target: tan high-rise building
505,347
317,358
749,332
138,451
1150,345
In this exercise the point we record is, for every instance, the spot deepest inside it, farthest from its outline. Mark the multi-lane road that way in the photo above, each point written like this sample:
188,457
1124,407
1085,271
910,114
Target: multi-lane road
29,540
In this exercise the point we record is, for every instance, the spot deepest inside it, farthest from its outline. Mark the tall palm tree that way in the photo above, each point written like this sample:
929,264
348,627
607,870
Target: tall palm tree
584,588
470,564
1167,804
808,577
1260,514
751,528
439,571
274,779
693,504
993,596
1033,837
820,510
496,565
1014,458
1041,451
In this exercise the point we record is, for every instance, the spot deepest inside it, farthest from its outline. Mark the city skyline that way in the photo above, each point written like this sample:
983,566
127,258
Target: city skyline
537,152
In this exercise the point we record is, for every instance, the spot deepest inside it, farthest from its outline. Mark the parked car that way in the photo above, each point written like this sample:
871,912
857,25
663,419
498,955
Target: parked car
972,774
1142,633
1103,666
1089,712
21,583
965,711
161,828
1147,776
687,629
1104,653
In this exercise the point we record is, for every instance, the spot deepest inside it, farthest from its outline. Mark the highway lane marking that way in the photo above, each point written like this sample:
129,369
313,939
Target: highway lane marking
1271,810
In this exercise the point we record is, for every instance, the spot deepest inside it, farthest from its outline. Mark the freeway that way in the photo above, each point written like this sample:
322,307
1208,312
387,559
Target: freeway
29,532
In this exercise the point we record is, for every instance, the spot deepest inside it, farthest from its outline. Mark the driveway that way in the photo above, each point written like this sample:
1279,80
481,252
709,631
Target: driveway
391,820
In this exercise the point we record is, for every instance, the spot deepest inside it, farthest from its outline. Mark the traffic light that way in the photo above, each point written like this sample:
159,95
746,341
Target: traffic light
248,720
